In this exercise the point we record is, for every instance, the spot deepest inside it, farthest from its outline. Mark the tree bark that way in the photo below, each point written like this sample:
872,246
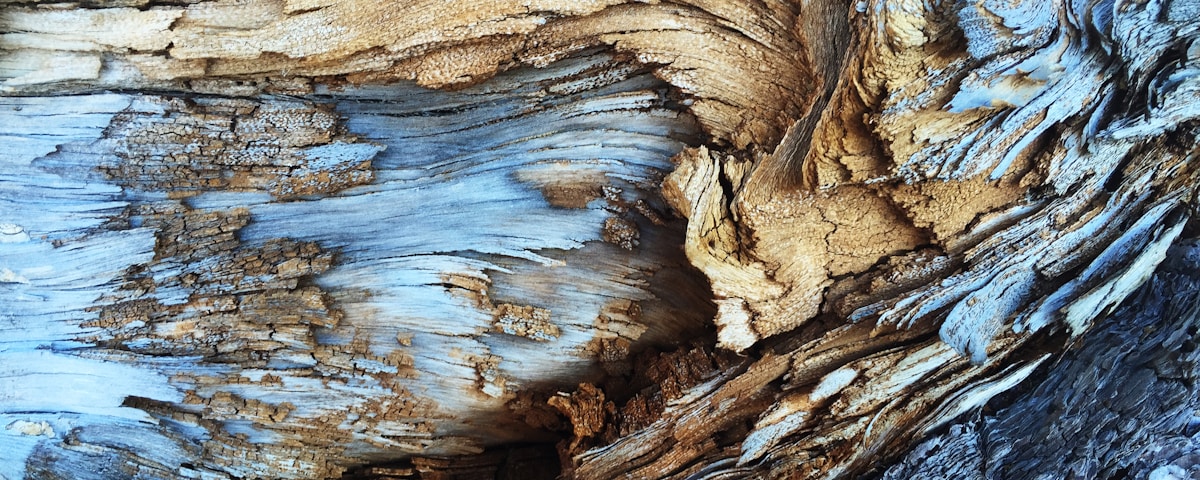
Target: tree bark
709,239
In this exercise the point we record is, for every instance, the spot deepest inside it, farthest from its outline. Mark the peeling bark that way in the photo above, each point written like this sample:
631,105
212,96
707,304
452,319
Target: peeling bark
703,239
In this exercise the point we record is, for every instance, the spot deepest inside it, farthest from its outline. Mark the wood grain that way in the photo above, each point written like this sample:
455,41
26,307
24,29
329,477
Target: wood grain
701,238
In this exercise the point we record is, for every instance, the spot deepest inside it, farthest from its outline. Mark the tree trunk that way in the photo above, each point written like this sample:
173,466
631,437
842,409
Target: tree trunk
709,239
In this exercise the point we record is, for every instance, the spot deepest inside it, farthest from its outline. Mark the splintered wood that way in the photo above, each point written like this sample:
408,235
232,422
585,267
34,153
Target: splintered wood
783,239
999,211
246,48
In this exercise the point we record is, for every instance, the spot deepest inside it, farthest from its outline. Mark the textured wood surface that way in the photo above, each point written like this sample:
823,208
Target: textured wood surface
705,238
1124,403
973,198
291,286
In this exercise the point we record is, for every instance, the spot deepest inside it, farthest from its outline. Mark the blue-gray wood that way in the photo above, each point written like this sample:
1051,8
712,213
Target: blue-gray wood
1124,404
289,286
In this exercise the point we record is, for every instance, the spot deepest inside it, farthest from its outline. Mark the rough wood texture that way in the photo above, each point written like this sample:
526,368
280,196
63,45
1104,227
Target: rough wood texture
1125,403
1004,194
739,64
245,239
338,278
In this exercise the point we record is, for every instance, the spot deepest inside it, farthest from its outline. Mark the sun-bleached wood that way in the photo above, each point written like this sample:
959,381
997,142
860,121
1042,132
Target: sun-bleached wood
353,275
249,234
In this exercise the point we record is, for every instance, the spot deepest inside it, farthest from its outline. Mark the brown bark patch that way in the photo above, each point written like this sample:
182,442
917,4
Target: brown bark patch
588,411
525,321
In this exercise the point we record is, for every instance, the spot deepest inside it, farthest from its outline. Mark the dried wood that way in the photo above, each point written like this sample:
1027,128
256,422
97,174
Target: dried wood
295,285
246,239
1124,403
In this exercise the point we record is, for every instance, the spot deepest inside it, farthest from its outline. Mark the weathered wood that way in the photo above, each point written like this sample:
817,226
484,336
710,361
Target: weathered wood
258,245
354,275
1125,401
1032,207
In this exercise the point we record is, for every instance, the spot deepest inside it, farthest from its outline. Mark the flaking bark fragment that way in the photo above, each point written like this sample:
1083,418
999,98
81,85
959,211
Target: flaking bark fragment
525,321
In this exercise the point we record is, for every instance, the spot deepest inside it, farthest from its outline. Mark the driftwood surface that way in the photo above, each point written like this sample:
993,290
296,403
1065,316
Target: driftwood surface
602,239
